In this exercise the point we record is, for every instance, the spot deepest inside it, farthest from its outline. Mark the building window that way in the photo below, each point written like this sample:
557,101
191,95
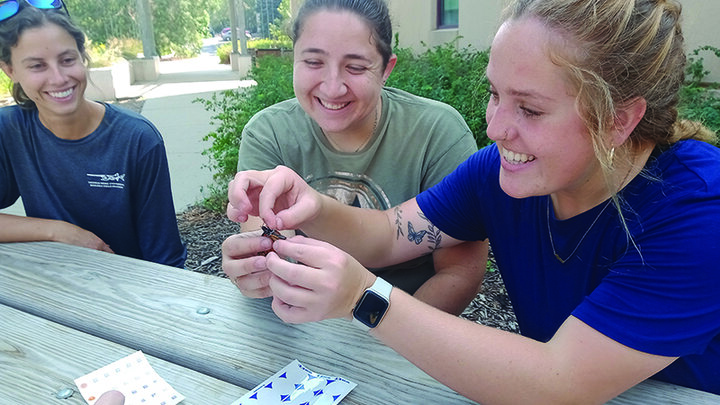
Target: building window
447,13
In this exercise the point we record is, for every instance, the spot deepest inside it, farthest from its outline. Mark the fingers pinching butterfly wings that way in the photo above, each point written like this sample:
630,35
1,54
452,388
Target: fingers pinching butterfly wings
325,280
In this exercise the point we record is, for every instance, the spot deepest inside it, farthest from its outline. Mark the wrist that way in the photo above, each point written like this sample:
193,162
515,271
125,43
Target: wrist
372,305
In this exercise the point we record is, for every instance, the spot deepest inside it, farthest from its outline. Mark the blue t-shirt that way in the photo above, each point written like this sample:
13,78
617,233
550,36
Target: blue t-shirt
114,182
657,292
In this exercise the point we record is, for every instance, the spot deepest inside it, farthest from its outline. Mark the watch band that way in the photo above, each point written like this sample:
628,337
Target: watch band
373,305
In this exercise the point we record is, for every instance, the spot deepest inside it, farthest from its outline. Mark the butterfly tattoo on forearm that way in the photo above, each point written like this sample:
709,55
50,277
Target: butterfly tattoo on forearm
433,234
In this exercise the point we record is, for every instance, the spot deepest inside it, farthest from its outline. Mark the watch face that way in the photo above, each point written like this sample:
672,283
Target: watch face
371,308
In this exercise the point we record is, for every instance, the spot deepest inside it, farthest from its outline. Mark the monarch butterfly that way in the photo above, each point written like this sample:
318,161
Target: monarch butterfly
272,234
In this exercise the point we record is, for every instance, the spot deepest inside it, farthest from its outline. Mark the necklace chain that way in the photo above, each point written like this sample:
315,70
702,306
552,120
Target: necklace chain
552,243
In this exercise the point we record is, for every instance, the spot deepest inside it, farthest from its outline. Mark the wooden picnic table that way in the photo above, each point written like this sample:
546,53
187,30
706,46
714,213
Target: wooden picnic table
66,311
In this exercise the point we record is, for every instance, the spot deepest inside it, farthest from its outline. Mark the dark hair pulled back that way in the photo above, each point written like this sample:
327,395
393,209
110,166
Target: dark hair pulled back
30,17
375,12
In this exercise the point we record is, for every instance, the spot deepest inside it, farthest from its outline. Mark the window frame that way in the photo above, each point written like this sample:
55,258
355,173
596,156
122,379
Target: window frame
440,22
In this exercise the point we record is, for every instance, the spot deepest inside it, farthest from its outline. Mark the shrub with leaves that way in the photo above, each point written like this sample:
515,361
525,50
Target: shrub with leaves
102,55
223,52
267,43
232,109
455,77
700,101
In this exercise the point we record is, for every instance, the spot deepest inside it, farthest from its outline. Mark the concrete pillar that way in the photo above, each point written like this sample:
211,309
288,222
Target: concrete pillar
145,69
240,63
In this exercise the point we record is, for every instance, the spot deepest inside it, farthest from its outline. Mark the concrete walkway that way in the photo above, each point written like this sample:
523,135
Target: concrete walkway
169,105
183,123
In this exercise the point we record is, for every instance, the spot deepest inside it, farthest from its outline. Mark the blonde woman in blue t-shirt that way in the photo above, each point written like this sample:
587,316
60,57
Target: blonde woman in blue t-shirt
602,207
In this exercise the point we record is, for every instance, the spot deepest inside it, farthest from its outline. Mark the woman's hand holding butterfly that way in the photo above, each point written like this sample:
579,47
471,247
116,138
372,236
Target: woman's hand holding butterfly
279,197
324,282
244,266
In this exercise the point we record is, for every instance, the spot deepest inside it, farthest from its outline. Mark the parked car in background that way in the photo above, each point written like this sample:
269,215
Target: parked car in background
226,33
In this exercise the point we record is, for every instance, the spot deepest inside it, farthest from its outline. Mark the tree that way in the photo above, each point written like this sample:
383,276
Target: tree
280,27
268,12
179,25
220,14
105,19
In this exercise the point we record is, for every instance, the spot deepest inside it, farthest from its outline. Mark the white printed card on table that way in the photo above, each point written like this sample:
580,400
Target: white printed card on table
134,377
297,385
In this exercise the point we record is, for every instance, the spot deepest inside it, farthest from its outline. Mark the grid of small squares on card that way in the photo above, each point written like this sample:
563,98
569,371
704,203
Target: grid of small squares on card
134,377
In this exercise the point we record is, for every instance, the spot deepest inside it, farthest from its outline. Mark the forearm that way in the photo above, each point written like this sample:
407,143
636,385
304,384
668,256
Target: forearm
14,228
471,359
491,366
363,233
487,365
459,271
446,292
376,238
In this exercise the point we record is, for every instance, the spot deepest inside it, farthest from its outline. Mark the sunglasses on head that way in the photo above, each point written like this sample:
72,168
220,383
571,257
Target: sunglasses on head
9,8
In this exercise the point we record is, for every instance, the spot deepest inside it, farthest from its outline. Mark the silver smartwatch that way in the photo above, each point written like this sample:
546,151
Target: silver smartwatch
372,306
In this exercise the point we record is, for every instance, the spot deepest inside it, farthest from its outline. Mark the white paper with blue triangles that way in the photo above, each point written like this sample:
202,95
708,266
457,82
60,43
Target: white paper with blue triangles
296,385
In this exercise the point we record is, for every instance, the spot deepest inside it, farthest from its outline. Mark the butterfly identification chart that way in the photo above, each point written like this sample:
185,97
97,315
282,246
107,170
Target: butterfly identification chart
296,385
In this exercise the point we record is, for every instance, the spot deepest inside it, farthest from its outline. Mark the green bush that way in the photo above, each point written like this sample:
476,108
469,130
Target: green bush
232,109
266,43
128,48
455,77
223,52
102,55
700,101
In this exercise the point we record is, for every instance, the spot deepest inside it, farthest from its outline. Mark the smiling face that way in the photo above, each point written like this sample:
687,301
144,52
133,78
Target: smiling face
338,72
532,116
48,65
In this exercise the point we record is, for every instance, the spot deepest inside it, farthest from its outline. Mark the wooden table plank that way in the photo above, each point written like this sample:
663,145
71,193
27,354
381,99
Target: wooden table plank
660,393
38,358
153,308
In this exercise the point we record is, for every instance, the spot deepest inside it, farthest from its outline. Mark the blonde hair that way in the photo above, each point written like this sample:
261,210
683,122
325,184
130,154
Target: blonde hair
620,50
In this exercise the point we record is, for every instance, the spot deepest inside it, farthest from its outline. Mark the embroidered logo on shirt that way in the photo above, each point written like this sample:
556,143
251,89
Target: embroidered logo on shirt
106,180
